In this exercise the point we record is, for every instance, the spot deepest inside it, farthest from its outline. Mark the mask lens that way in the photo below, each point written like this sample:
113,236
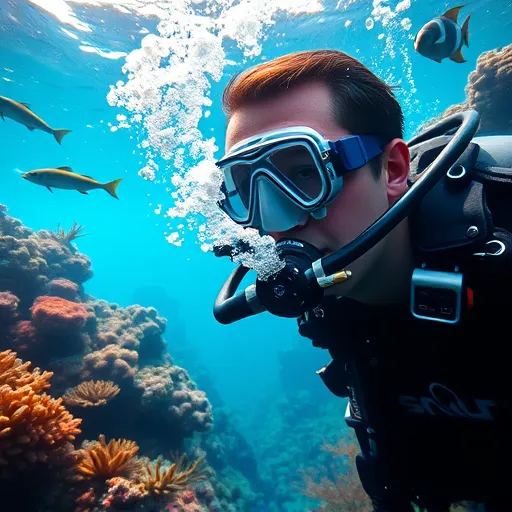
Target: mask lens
298,165
293,166
237,182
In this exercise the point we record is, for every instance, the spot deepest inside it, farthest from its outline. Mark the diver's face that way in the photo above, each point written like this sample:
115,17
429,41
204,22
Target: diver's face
363,198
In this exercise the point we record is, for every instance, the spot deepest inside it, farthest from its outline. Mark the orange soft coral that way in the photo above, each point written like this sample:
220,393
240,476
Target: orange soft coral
104,461
33,426
58,315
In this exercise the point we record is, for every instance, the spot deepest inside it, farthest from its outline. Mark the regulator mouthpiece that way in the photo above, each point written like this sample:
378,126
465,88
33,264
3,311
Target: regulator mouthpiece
291,291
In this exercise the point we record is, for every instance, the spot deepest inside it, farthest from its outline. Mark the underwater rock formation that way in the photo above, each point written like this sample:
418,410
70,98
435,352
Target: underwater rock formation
488,92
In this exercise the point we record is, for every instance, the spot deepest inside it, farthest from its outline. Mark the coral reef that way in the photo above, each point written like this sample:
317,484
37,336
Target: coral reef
57,316
8,308
336,484
91,393
64,288
171,387
34,427
66,238
112,361
289,431
488,92
29,260
102,460
123,494
94,351
177,477
135,328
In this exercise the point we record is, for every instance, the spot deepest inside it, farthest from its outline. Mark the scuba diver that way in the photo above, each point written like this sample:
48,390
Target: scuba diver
396,260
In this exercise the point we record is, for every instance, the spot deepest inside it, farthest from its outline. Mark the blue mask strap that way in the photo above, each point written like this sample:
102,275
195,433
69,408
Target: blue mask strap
354,151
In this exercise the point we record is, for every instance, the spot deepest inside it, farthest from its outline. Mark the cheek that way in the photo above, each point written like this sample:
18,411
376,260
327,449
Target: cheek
361,202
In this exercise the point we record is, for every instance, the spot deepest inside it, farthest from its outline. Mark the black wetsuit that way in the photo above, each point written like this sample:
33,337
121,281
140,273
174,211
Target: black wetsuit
430,402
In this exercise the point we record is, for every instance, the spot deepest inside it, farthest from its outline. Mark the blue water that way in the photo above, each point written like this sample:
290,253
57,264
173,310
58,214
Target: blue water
43,65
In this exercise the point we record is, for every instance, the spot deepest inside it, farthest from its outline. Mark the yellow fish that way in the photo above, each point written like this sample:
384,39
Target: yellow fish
21,113
65,178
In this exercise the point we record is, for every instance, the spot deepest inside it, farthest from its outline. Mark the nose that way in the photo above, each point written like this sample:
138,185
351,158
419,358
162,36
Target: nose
279,235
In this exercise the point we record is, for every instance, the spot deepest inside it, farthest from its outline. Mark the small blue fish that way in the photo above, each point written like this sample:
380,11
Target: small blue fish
442,38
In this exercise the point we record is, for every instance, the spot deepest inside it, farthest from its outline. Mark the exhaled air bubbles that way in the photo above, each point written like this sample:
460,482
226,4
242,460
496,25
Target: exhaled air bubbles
369,23
165,95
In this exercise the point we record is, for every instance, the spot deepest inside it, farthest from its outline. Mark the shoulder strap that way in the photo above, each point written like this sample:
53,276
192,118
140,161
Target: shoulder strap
454,214
466,219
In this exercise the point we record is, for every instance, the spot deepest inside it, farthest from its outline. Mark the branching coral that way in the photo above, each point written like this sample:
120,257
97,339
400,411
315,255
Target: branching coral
33,425
91,393
339,487
66,238
175,478
103,461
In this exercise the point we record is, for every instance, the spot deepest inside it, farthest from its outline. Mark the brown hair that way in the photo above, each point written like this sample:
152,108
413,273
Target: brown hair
362,103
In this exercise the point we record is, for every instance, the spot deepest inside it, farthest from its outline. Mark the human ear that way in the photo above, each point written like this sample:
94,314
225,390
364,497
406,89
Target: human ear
396,161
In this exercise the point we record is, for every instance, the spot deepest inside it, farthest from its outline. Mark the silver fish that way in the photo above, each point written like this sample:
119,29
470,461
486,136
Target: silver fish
442,37
21,113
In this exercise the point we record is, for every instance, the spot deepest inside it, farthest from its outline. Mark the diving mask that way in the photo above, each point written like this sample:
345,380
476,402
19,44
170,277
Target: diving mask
274,180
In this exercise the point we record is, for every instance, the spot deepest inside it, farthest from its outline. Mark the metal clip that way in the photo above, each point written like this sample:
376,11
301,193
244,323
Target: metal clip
498,252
